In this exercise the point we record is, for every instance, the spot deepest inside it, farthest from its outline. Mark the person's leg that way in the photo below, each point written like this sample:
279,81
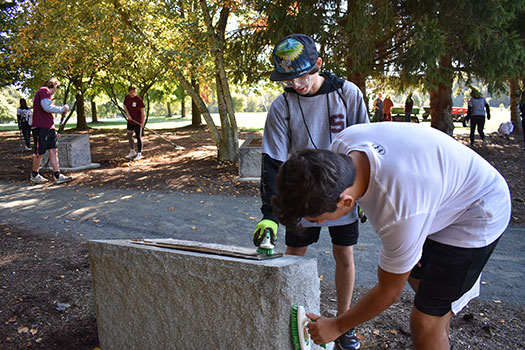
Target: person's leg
481,125
441,278
344,276
130,128
523,128
343,239
26,131
37,157
138,135
38,152
473,122
420,322
298,242
430,332
299,251
53,159
130,140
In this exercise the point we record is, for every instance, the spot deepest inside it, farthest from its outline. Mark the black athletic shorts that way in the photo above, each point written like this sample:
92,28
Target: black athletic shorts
345,235
446,273
134,127
43,139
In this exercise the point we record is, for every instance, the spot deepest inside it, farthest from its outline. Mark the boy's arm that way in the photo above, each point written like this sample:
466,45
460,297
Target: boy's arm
387,291
270,168
128,117
49,107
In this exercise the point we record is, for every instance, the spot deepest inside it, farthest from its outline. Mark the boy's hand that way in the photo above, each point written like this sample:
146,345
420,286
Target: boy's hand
322,330
262,226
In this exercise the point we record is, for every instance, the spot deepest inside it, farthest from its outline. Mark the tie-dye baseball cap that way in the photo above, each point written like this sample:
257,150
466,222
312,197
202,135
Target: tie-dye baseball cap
293,56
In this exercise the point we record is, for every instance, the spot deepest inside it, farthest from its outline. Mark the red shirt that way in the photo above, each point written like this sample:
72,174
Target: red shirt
134,105
41,118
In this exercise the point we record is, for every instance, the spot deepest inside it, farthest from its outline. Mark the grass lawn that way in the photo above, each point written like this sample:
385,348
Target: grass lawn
245,121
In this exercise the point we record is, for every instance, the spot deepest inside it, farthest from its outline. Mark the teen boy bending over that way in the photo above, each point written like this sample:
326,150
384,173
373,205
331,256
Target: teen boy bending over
439,211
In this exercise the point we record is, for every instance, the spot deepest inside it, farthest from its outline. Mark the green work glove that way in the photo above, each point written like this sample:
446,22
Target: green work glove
261,227
361,214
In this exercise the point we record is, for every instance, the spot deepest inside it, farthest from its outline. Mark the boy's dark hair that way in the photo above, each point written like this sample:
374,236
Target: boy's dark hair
309,184
132,87
52,83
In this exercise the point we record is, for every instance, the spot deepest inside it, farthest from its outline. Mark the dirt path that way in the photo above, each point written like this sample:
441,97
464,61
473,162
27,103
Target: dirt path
108,213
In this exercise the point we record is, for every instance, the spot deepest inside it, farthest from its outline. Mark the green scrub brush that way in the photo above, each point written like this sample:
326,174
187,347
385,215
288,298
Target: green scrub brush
299,324
266,246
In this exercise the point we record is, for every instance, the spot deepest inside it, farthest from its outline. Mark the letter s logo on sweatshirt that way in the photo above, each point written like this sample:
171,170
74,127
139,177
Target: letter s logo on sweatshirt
337,123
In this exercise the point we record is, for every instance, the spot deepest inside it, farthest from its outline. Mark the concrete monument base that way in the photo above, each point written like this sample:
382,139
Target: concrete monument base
250,154
159,298
73,153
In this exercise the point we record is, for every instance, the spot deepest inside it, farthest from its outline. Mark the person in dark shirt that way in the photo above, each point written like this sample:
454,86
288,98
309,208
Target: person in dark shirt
45,137
23,115
134,108
409,104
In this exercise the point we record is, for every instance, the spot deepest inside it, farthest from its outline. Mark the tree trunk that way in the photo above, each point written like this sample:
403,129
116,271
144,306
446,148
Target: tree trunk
169,111
514,103
195,113
179,75
183,106
81,112
146,97
225,146
186,85
359,80
229,142
441,108
94,116
441,99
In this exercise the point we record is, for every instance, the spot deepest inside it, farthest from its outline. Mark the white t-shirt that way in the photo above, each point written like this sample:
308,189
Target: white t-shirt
423,184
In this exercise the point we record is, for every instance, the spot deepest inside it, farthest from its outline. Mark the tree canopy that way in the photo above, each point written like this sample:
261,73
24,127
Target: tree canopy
204,46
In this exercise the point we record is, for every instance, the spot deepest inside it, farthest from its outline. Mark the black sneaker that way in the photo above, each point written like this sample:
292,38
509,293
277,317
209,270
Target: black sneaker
347,341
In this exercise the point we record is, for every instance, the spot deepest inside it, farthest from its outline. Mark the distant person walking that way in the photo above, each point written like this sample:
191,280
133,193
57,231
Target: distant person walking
134,108
409,105
477,105
387,109
24,115
378,108
45,137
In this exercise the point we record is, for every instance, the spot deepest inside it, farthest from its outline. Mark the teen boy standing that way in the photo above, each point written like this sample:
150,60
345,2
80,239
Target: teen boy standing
311,111
134,108
45,136
438,210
